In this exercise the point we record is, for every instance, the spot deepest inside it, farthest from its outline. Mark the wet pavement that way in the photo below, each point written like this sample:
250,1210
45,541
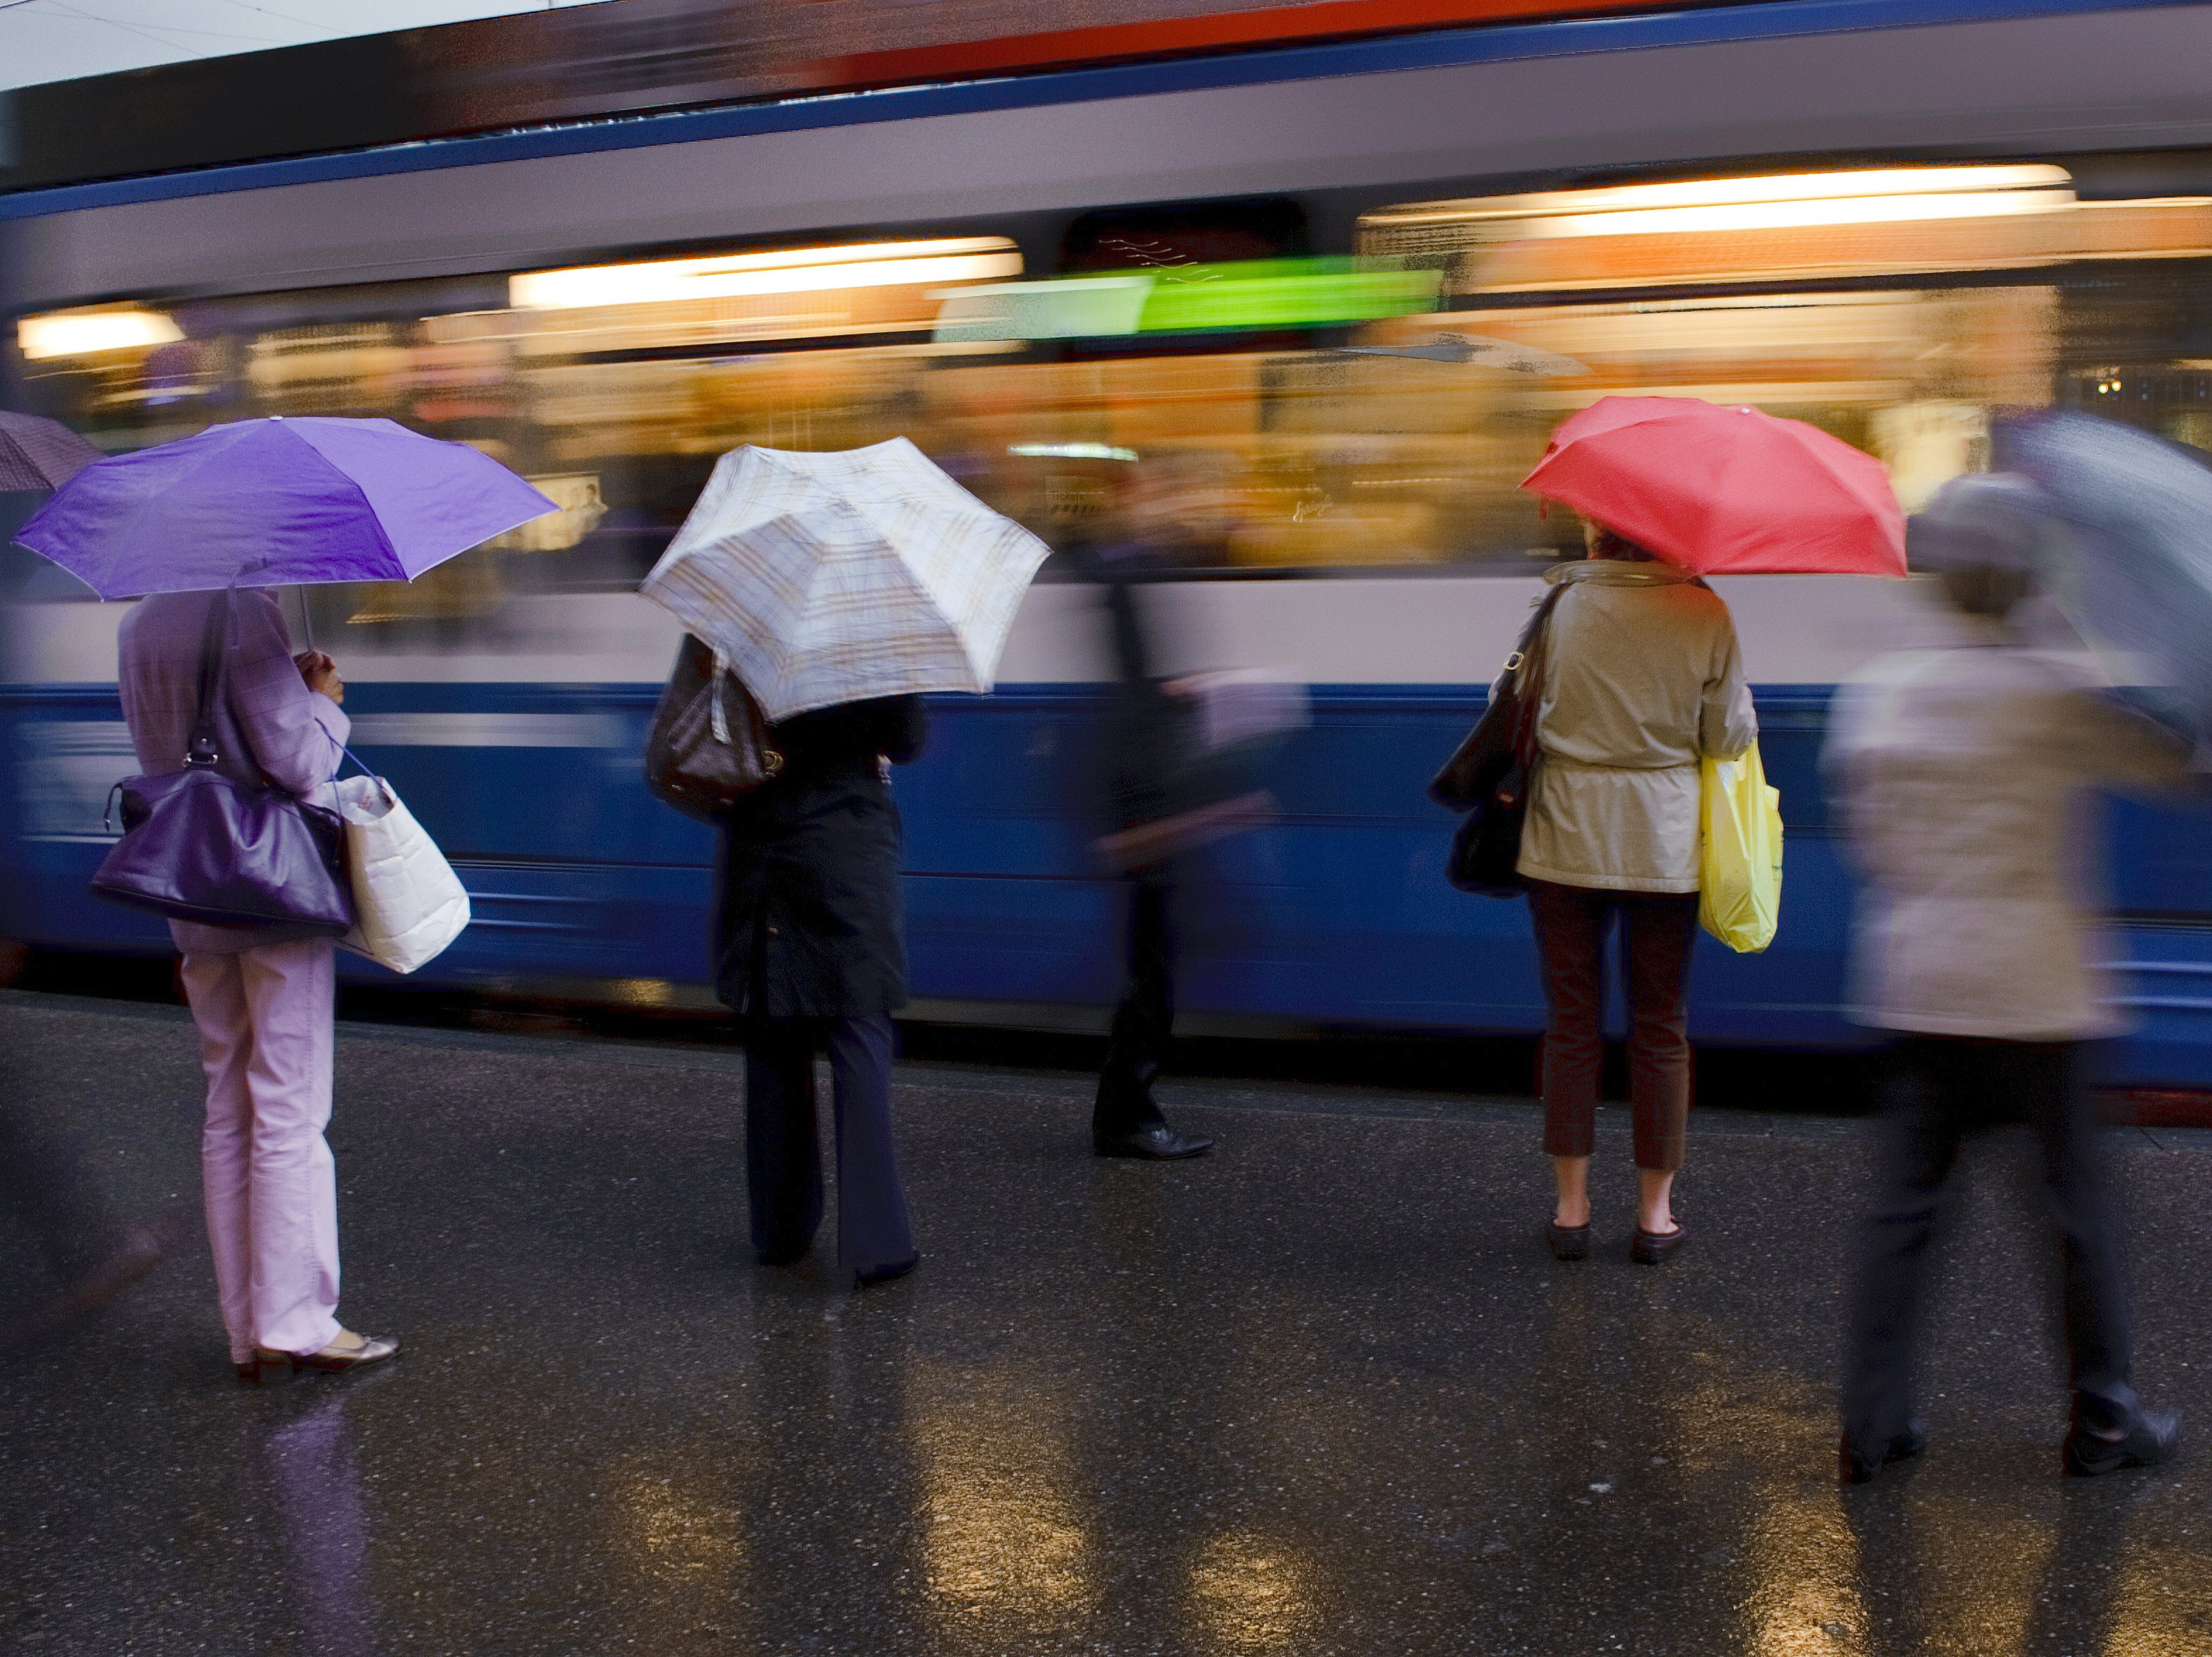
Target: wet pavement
1324,1391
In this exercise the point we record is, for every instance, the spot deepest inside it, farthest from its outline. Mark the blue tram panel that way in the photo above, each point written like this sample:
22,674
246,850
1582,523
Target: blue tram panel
1336,914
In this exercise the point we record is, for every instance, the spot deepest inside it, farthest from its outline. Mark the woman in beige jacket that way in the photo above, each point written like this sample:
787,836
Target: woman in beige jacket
1641,678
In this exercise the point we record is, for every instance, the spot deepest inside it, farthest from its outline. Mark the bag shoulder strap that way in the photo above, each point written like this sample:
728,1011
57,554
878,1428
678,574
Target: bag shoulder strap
200,748
1526,662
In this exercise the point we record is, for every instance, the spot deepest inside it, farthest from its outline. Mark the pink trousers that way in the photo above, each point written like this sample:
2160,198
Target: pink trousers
265,1018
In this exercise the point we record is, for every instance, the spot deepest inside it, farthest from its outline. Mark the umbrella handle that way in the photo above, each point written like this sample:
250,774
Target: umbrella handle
714,712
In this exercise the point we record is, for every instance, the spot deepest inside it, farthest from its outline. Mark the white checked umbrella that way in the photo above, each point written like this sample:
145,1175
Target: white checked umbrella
832,577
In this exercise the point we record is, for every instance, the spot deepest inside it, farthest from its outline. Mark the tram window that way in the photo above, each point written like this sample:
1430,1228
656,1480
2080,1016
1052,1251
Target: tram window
1395,438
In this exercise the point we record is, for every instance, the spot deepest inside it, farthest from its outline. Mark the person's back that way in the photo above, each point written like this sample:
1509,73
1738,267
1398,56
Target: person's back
270,722
1964,777
290,732
1641,680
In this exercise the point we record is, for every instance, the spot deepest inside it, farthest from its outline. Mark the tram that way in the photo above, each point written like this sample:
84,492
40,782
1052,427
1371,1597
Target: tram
1355,282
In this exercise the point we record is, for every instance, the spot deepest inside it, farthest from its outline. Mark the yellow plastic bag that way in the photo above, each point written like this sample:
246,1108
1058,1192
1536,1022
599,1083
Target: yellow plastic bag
1739,852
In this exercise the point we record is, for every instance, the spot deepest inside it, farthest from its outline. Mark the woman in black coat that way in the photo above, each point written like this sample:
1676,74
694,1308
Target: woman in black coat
813,955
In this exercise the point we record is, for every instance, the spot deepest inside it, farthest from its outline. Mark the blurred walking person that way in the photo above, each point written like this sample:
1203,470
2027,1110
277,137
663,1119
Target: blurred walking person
1960,774
812,953
262,996
89,1252
1153,775
1641,678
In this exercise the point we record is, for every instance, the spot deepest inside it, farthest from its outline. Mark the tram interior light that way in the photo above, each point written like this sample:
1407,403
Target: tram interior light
794,270
1794,215
87,333
1868,195
1072,451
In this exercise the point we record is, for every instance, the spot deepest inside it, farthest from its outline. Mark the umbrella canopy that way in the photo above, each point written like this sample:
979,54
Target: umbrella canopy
1725,491
2135,572
275,502
832,577
39,454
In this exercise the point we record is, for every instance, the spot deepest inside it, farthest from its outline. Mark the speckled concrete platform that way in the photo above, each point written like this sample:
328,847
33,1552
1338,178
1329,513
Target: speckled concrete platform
1321,1393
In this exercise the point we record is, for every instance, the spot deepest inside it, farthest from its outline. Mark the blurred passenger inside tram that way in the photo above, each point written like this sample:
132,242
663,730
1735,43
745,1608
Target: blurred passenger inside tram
1961,774
1641,678
1163,797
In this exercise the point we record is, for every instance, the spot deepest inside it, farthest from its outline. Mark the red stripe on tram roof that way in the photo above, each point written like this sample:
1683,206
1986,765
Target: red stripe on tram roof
1269,25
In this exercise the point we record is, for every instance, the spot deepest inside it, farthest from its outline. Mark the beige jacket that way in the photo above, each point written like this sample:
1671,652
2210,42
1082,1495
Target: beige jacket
1964,778
1641,678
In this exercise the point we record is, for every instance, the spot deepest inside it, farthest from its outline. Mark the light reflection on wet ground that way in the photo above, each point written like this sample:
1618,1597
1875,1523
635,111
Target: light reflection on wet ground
1321,1393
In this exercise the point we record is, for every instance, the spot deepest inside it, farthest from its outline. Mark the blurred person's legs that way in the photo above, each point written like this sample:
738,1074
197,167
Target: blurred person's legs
89,1254
1926,1113
2110,1427
875,1236
783,1161
43,1178
1125,1119
265,1018
1659,929
1937,1089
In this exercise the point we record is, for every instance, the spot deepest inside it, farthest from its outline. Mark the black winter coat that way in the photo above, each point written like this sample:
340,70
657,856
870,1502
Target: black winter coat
812,924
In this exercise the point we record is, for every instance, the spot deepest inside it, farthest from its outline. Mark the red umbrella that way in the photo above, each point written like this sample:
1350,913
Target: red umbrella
1725,491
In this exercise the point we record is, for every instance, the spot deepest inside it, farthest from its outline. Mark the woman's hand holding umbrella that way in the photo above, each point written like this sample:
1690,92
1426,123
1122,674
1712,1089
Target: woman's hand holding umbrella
321,674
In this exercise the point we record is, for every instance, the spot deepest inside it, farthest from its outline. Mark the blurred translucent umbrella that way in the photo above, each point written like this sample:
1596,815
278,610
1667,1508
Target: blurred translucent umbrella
264,503
833,578
36,453
2134,573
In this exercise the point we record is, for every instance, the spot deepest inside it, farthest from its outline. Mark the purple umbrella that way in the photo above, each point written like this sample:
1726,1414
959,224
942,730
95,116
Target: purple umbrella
267,503
39,454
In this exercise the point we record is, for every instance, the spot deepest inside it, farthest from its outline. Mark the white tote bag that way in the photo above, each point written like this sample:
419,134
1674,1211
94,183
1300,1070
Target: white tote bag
407,902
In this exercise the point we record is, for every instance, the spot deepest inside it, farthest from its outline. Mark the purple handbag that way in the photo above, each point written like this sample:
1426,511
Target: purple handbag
200,846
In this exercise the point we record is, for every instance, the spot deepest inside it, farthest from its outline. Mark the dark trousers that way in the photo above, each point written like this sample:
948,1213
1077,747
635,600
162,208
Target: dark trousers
1657,932
1938,1089
783,1161
1146,1019
43,1178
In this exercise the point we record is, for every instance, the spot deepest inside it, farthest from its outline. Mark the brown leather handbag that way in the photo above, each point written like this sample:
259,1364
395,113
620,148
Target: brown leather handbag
709,746
1488,776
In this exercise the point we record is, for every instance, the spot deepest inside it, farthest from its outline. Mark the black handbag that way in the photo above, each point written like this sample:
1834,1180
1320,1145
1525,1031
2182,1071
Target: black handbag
709,744
1487,776
201,845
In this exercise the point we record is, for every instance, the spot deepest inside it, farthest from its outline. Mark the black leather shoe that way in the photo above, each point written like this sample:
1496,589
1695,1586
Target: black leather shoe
2152,1437
1650,1247
1857,1464
868,1277
784,1254
1569,1242
1157,1143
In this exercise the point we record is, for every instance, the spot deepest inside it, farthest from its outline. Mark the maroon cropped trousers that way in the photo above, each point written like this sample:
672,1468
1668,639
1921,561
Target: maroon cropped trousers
1657,930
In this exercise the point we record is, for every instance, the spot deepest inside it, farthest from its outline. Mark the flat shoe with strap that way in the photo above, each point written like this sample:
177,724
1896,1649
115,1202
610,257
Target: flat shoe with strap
1650,1247
1569,1242
271,1368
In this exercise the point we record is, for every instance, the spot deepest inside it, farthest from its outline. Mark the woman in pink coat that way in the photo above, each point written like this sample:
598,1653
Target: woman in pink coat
262,996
